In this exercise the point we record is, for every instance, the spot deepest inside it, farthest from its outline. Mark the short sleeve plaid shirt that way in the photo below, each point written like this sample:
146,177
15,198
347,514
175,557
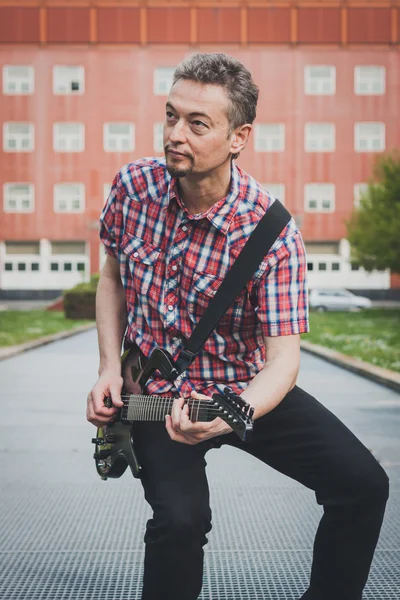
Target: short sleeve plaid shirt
172,263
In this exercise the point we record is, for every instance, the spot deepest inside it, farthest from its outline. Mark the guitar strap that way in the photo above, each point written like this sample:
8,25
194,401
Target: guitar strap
256,248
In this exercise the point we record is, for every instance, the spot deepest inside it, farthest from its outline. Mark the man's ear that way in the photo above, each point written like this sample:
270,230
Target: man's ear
240,138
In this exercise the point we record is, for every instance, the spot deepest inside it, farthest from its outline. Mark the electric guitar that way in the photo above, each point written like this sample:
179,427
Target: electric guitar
114,443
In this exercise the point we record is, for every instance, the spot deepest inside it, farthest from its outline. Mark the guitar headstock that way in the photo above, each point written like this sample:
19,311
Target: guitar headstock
235,411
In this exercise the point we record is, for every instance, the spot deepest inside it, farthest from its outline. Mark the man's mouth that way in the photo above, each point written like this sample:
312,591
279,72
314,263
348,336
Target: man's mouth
177,154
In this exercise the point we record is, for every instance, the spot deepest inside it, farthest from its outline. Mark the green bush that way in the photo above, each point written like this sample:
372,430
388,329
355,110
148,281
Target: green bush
80,301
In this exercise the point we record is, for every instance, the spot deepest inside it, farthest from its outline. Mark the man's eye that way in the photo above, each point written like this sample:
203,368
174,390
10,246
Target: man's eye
199,123
169,115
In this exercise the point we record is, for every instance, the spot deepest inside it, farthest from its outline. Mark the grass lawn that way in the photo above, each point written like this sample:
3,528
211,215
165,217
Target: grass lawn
19,326
371,335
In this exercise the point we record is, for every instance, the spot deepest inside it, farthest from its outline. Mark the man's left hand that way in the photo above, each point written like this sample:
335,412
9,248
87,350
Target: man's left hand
181,429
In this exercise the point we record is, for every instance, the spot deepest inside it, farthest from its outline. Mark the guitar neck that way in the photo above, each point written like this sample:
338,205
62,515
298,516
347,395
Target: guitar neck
140,407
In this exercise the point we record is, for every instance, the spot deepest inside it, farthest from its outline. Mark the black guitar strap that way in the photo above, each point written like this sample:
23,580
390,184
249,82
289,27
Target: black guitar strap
256,248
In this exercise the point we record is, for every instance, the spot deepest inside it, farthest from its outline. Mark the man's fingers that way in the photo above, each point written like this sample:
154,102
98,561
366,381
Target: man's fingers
176,412
173,434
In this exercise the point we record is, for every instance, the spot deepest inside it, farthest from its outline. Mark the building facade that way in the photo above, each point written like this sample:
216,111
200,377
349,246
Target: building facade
84,86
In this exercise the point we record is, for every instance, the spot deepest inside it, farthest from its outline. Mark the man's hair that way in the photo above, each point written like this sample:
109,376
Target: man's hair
221,69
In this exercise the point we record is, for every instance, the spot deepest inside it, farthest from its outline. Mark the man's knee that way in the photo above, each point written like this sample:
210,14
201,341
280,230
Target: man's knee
177,524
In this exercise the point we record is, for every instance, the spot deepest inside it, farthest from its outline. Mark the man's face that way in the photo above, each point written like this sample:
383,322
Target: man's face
197,137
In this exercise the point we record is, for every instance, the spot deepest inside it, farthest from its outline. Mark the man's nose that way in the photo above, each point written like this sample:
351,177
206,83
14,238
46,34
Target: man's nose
177,133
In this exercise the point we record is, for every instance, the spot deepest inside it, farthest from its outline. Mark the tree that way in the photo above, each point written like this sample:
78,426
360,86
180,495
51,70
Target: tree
374,228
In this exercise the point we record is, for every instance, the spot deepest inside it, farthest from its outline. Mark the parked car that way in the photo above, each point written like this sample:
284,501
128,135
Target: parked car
340,299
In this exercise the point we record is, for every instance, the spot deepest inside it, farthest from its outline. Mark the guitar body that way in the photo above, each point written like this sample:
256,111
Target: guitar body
116,452
114,443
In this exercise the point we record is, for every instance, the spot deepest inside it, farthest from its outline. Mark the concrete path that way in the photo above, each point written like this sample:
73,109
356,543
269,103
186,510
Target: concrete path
66,535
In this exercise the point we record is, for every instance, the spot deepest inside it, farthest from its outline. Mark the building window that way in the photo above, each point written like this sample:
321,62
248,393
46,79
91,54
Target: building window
119,137
21,266
359,190
69,197
18,80
310,266
269,137
276,189
68,80
320,80
335,266
369,137
158,137
18,197
35,266
69,137
81,266
162,82
18,137
8,266
355,267
321,266
68,266
319,197
369,80
53,266
319,137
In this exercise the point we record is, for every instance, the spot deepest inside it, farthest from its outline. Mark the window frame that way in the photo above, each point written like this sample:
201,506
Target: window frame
57,78
309,80
57,197
261,138
107,136
7,136
308,189
7,188
358,137
30,79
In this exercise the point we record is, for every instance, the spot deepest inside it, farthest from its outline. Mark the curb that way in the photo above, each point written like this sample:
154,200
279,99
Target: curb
380,375
9,351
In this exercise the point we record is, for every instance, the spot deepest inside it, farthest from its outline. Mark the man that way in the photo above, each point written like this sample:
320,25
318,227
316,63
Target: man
171,230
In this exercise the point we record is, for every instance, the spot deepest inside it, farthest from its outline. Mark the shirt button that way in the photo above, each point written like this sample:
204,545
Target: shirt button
184,228
170,307
135,254
174,268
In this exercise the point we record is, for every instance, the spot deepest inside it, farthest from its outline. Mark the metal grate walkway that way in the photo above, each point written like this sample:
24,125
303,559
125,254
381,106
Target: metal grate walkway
66,535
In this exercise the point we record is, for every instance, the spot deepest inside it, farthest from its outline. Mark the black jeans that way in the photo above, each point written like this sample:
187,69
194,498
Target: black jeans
299,438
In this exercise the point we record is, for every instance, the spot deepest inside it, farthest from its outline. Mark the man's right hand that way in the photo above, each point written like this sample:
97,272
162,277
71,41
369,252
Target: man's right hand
108,384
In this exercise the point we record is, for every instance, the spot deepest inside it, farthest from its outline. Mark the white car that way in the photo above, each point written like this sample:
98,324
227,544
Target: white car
323,300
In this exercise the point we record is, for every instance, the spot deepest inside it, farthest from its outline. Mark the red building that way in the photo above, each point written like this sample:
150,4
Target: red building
84,85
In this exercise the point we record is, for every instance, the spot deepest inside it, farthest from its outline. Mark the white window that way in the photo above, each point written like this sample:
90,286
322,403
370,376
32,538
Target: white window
269,137
359,190
18,197
69,137
18,80
319,137
369,80
163,77
158,137
69,197
119,137
68,80
276,189
18,137
320,80
369,137
319,197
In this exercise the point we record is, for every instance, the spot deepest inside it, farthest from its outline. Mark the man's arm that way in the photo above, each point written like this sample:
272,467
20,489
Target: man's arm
111,324
264,392
278,376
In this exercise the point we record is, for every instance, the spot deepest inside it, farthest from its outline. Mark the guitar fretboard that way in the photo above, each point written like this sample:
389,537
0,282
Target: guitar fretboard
140,407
